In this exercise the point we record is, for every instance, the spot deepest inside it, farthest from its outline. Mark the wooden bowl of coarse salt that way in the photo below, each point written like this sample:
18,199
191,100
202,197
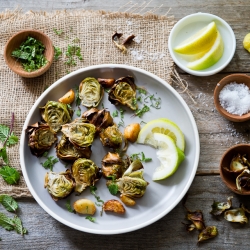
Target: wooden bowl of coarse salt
232,97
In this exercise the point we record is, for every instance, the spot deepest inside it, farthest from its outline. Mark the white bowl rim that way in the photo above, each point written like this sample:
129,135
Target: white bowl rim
195,72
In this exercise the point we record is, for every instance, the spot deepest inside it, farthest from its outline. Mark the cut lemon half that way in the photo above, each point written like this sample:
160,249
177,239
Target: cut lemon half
163,126
169,156
211,57
200,41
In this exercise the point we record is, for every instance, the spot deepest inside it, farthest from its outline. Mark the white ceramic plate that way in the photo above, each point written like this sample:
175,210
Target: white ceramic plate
191,24
160,198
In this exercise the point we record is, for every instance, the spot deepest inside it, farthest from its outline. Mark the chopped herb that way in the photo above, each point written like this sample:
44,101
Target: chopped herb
142,158
10,175
78,112
90,218
92,191
121,124
139,99
58,32
122,112
134,102
73,50
115,113
76,40
113,188
78,100
31,54
155,102
50,162
103,106
107,90
8,202
141,112
142,91
58,52
143,122
68,206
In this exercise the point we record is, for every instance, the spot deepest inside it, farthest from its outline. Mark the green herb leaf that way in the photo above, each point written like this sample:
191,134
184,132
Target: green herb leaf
4,132
90,218
58,32
113,188
92,191
6,222
50,162
8,202
10,175
78,100
58,52
115,113
142,158
3,154
18,226
141,112
68,206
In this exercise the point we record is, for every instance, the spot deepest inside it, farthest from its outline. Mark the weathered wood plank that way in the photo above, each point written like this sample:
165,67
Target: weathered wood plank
169,232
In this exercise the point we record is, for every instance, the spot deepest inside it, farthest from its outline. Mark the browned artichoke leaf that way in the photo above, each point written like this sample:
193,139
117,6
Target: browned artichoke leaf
124,92
236,215
197,219
208,233
115,39
243,180
66,151
90,92
112,165
189,227
41,138
219,207
237,164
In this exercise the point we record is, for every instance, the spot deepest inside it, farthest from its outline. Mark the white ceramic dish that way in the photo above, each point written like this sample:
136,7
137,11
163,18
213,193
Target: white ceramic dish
160,198
188,26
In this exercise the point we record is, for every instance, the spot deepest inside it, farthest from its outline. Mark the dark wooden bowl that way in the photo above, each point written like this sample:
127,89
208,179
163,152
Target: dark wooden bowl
229,179
16,40
238,78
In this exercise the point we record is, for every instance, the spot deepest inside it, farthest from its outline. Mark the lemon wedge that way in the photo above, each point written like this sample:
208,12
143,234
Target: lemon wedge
200,41
211,57
169,156
163,126
246,42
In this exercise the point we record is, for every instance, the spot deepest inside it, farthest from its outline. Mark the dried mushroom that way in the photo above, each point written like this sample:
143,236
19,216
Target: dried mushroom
90,92
100,118
41,138
236,215
208,233
66,151
85,174
80,133
111,137
56,114
114,206
219,207
59,185
124,92
243,180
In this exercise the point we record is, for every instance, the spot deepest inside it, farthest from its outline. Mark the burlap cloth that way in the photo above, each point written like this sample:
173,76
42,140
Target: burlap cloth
94,30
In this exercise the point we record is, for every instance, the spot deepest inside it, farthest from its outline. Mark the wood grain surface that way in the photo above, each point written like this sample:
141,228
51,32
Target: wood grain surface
216,135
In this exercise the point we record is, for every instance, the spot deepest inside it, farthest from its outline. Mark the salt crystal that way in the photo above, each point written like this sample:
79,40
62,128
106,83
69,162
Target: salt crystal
137,39
235,98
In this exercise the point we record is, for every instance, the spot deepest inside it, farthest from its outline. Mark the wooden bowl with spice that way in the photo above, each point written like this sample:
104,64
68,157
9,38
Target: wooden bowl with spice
232,97
29,53
233,162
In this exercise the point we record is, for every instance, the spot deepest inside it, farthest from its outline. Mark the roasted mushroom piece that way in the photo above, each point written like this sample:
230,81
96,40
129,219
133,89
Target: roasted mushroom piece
41,138
79,132
90,92
66,151
85,173
56,114
59,185
100,118
124,92
111,137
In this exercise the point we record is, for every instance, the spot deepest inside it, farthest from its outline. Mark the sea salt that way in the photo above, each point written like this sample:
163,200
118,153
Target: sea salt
235,98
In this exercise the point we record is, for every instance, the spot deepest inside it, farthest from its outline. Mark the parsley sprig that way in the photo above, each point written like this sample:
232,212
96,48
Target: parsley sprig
141,156
50,162
113,187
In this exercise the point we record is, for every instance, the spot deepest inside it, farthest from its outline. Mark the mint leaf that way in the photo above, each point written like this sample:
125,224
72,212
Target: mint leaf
90,218
10,175
68,206
18,226
9,203
4,132
12,140
3,154
6,222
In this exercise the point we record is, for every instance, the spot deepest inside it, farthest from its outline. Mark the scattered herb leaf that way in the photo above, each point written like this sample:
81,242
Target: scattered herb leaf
58,52
19,226
8,202
92,191
76,40
50,162
3,154
78,112
58,32
141,112
68,206
6,222
10,175
115,113
7,136
90,218
142,158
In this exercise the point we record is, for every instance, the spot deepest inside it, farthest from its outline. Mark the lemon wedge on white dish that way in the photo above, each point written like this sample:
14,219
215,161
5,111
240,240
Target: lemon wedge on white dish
199,42
169,155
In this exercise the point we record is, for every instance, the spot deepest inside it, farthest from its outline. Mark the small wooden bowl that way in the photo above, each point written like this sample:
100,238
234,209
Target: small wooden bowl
229,179
16,40
238,78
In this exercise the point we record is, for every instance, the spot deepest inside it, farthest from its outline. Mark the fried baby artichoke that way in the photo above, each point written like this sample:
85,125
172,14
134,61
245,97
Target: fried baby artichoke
79,132
90,92
100,118
66,151
111,137
124,92
59,185
56,114
85,174
41,138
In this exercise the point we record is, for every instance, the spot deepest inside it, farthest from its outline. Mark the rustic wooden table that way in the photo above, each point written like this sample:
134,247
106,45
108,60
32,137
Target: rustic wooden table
216,135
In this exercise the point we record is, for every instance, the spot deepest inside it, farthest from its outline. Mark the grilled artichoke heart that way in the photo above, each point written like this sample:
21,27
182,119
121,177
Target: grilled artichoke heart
66,151
111,137
124,92
56,114
41,138
80,133
100,118
59,185
85,173
90,92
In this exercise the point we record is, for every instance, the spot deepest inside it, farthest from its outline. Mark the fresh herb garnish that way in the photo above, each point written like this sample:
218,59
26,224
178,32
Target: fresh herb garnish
107,90
141,112
140,156
92,191
122,112
78,100
58,32
58,52
8,202
115,113
69,208
90,218
78,112
142,90
10,175
31,54
113,187
76,40
50,162
73,50
155,102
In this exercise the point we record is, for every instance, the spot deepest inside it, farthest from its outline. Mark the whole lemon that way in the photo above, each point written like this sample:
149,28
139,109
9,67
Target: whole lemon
246,42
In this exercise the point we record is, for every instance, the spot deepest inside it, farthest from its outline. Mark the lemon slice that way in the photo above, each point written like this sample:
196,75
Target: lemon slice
246,42
211,57
169,156
200,41
163,126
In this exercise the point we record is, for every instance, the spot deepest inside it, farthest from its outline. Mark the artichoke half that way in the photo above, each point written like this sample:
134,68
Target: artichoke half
100,118
80,133
85,174
41,138
111,137
124,92
66,151
90,92
59,185
56,114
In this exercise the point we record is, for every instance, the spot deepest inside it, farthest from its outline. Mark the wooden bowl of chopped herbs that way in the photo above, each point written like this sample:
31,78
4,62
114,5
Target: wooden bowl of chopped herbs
29,53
